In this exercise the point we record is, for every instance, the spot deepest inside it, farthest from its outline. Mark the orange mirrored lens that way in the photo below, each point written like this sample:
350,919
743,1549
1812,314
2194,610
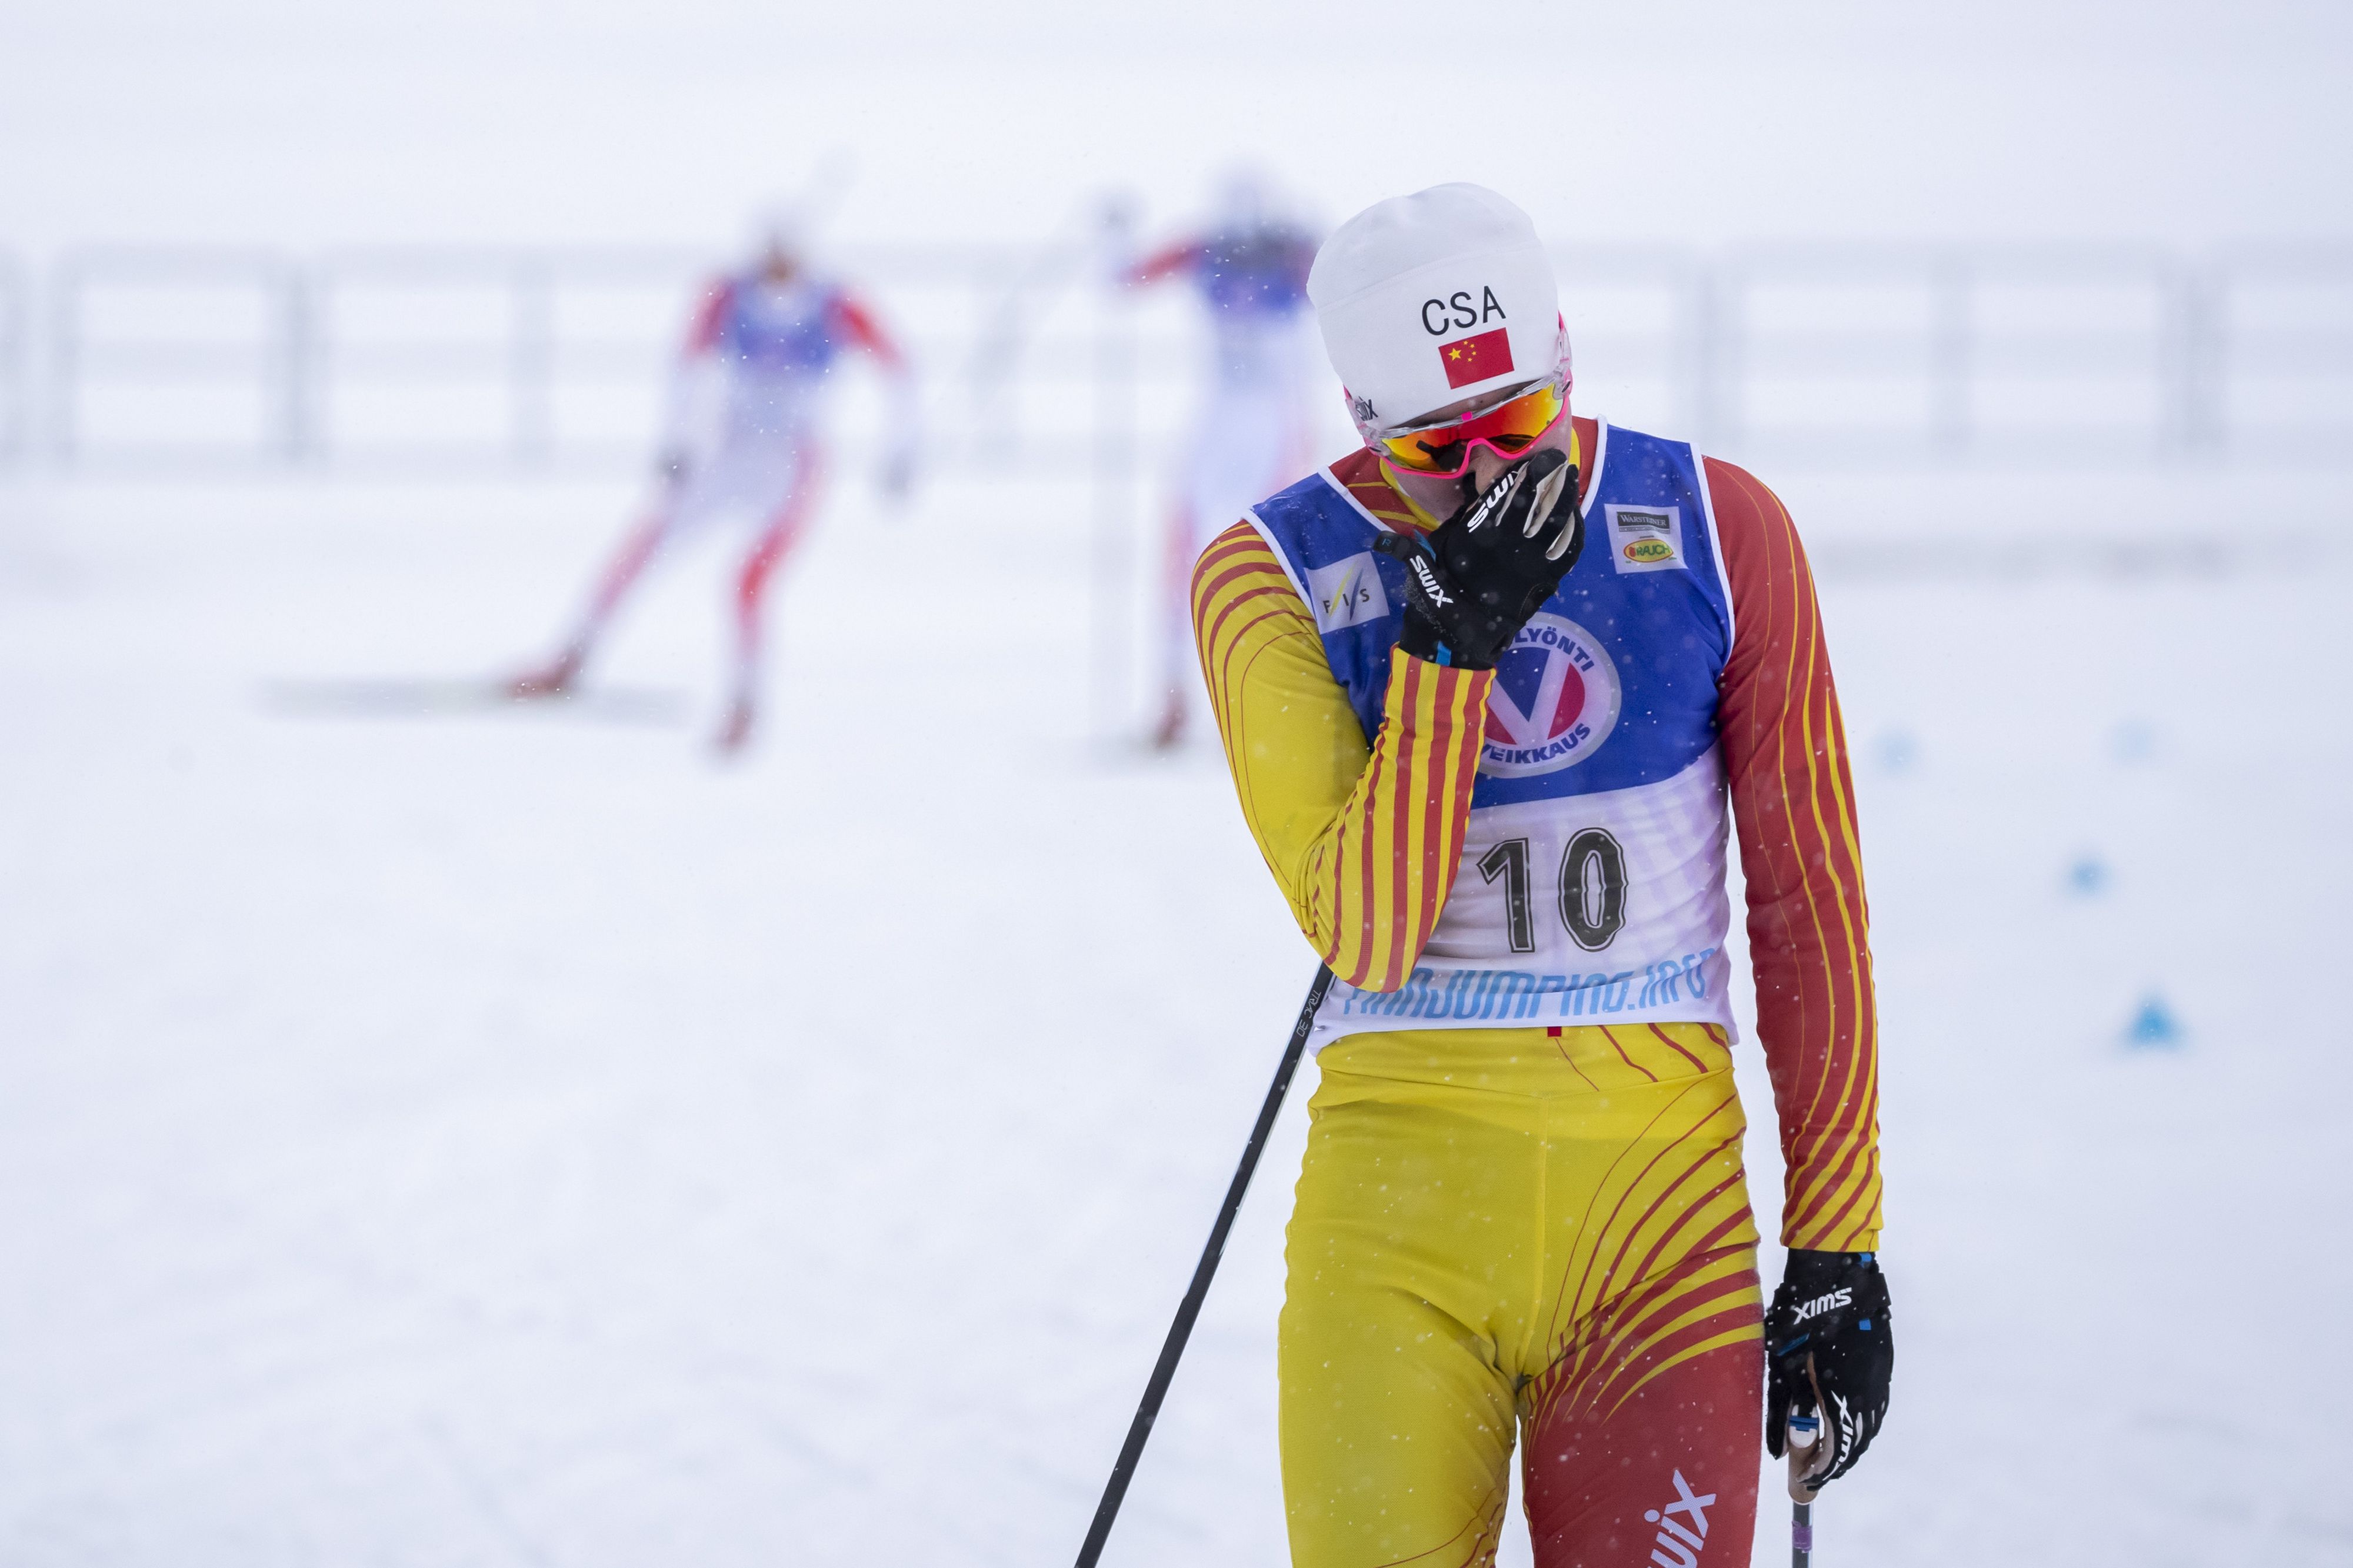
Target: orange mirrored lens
1509,427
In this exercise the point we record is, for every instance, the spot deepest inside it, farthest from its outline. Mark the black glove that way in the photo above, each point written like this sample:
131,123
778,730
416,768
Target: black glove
1472,584
1828,1319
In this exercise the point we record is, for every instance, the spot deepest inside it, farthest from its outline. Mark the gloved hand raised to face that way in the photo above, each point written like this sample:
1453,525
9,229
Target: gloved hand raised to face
1827,1334
1472,582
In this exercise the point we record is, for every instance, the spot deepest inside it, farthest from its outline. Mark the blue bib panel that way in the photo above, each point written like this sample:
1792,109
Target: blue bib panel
1600,790
780,330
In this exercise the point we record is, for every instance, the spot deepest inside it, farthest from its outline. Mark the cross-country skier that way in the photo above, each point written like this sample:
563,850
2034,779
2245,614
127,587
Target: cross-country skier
1255,422
742,444
1496,691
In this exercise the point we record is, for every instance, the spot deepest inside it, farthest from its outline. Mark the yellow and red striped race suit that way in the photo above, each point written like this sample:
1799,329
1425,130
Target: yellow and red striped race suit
1544,1224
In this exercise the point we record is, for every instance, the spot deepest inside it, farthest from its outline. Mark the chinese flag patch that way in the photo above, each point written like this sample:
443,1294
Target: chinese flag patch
1475,358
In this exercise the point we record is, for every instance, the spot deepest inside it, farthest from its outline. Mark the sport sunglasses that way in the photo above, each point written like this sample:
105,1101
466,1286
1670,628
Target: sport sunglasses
1443,448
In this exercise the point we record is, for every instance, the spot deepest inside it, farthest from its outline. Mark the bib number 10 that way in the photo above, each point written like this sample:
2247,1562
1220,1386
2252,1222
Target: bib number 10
1592,890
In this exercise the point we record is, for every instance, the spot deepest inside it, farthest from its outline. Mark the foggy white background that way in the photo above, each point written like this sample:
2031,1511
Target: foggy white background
540,122
516,1140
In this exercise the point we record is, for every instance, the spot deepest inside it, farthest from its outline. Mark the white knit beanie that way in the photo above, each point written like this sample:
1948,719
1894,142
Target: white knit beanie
1430,298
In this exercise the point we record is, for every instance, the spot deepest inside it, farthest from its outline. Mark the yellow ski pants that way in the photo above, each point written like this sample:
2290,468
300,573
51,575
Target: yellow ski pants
1546,1229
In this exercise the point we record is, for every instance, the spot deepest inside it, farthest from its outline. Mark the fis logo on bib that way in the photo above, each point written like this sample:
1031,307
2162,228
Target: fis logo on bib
1347,594
1555,701
1646,538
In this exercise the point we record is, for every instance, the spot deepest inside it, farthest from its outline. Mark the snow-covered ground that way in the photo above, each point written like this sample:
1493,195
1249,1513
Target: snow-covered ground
510,1137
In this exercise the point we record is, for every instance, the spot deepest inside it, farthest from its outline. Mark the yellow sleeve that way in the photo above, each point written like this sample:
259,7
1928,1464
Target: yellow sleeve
1362,838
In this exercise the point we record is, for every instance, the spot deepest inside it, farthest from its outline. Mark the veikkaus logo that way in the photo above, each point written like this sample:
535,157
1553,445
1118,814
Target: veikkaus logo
1555,701
1680,1540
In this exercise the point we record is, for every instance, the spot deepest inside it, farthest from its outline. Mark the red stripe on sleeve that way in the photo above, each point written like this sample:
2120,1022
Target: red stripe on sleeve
858,327
1167,262
1792,800
702,334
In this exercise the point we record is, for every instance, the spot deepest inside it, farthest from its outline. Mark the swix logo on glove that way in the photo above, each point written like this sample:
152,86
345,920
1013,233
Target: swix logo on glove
1682,1538
1439,596
1498,495
1820,1304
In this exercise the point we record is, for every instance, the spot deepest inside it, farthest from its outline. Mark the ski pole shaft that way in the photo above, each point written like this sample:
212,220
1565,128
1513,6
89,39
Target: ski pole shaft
1165,1369
1805,1431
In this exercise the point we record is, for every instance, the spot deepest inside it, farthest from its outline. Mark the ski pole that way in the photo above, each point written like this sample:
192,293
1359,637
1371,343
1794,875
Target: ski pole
1162,1371
1804,1430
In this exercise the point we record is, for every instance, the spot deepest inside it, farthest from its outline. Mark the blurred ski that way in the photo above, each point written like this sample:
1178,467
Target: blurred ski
396,698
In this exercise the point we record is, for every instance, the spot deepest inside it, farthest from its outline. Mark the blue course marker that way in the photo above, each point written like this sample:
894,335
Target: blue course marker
2154,1028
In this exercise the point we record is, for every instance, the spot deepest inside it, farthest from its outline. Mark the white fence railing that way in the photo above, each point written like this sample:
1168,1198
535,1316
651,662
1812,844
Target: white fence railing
16,361
422,359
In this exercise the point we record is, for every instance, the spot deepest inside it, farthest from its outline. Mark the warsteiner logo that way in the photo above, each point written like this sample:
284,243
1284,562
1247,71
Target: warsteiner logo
1555,701
1646,538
